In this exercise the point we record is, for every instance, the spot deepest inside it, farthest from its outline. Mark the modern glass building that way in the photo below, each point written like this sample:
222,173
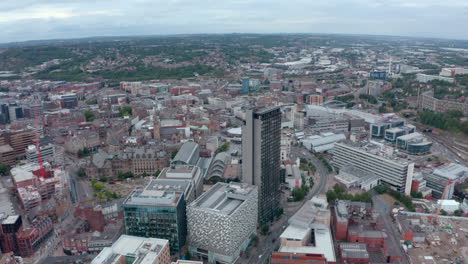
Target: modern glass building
415,144
261,158
158,211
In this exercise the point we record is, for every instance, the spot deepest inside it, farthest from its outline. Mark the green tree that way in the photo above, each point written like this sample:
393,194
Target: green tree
125,111
443,212
81,173
265,229
4,169
97,186
89,115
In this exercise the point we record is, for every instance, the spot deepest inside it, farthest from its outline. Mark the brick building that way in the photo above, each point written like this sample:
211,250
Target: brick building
13,144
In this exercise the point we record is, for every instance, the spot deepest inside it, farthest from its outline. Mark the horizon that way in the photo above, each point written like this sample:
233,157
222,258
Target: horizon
32,20
13,43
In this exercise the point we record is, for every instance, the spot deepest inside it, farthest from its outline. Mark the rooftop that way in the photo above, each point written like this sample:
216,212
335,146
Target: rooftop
224,198
158,192
143,250
451,171
324,246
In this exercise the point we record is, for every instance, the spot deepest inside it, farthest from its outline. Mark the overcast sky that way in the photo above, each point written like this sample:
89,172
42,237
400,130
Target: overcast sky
49,19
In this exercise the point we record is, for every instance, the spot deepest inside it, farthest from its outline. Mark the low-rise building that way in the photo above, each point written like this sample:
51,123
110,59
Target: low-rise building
135,250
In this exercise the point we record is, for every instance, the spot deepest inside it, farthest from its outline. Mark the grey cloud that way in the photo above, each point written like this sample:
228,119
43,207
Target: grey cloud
44,19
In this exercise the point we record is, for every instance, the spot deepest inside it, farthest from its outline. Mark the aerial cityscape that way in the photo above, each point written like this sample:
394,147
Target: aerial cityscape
234,148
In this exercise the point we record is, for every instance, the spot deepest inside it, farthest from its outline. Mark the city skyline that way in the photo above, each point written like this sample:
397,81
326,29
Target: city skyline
57,19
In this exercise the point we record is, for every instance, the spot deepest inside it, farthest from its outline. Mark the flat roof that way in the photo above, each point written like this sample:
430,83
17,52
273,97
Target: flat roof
323,246
11,219
158,192
145,250
224,198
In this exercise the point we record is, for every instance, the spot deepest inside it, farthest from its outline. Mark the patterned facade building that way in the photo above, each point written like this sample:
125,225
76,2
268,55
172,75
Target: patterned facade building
222,221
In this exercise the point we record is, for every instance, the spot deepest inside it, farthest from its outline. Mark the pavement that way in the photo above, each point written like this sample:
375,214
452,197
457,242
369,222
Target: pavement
267,244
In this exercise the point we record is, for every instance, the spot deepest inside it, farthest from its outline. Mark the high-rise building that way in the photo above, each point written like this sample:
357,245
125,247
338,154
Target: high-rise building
261,141
380,160
158,211
222,222
245,85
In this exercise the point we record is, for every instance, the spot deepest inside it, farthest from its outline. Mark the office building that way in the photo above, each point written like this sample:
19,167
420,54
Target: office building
378,128
222,222
449,174
376,159
69,101
392,134
420,77
427,101
185,174
158,211
4,114
135,250
261,140
47,153
414,144
245,85
13,144
315,99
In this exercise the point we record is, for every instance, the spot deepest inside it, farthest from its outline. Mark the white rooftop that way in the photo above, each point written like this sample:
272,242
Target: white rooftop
146,250
323,246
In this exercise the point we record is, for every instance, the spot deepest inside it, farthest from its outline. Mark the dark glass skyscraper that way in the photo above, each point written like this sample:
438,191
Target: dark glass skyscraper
261,140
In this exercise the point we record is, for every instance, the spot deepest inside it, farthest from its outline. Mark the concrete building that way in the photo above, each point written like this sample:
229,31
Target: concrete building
451,72
377,129
185,173
308,234
379,160
420,77
33,188
222,221
261,160
13,144
47,153
352,177
159,211
324,142
449,206
440,177
429,102
135,250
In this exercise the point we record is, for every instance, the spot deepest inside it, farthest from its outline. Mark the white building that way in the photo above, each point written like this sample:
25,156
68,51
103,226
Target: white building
132,249
450,72
293,176
420,77
376,159
47,153
449,206
324,142
222,221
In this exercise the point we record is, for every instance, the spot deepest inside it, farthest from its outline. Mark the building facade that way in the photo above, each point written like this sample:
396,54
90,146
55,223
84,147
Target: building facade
396,172
158,211
222,222
261,140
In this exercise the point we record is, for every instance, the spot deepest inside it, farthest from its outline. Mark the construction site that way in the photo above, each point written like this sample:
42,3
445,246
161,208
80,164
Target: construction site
431,239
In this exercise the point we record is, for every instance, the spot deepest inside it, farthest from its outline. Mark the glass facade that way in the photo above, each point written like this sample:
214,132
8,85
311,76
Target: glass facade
158,221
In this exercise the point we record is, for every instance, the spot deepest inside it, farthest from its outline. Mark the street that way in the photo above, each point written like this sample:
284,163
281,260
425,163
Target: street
270,242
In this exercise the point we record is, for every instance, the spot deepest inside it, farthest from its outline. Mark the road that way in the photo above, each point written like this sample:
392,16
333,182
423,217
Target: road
319,187
394,237
270,242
